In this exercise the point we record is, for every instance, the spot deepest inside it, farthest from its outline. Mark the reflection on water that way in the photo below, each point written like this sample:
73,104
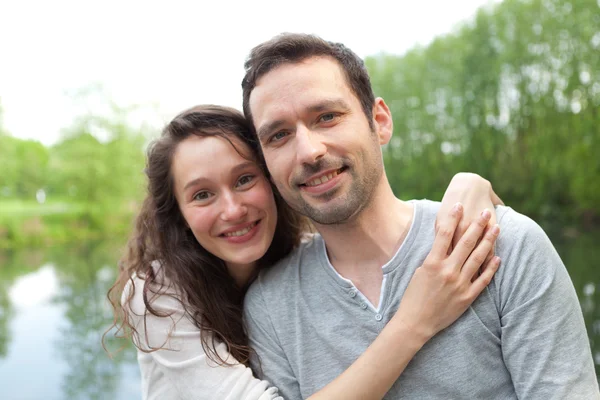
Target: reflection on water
52,315
53,312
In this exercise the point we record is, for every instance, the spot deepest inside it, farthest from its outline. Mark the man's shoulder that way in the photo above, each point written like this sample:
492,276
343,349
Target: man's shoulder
520,236
514,225
527,255
518,229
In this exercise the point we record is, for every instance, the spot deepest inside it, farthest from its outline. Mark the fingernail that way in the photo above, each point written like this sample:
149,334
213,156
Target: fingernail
495,229
457,207
496,260
486,214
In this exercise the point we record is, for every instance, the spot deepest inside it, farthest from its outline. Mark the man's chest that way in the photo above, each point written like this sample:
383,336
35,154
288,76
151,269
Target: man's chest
326,335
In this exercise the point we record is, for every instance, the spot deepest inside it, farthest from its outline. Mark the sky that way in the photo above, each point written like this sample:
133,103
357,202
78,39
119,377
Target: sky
168,56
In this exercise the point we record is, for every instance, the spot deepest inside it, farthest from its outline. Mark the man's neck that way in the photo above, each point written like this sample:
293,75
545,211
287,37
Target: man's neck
359,248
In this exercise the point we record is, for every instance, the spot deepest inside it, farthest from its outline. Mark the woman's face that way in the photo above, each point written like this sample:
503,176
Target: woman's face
226,201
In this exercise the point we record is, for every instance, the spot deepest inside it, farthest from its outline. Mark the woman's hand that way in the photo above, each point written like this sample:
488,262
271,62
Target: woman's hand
475,193
439,292
445,285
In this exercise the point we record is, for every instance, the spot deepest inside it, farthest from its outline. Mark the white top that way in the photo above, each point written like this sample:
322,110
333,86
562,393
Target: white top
184,371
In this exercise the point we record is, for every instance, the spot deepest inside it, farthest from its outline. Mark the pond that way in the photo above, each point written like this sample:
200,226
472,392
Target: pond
53,311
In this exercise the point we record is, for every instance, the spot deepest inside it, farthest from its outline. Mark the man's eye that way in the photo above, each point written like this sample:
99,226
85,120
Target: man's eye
327,117
278,136
200,196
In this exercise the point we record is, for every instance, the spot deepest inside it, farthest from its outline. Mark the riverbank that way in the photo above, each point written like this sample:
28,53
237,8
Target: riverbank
27,224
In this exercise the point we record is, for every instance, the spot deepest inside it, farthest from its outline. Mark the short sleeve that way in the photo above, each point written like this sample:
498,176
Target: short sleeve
544,340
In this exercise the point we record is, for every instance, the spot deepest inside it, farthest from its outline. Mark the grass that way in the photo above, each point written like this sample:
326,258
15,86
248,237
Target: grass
28,223
25,209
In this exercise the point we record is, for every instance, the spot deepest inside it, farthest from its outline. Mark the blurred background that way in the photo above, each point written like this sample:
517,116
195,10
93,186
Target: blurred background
507,89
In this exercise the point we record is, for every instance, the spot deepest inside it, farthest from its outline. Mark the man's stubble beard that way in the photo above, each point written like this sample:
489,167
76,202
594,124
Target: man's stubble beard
358,197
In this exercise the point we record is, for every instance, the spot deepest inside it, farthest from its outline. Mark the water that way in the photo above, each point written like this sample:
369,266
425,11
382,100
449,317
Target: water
53,312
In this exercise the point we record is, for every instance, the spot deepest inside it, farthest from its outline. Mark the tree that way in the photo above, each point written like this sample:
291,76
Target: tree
512,95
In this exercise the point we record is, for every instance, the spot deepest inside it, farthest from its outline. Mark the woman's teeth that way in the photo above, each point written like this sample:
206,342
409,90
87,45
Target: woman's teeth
241,231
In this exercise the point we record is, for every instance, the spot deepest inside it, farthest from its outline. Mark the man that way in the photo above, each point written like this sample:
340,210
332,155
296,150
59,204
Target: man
310,316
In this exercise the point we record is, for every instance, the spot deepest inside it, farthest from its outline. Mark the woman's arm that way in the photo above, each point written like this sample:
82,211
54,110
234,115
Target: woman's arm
475,193
439,292
181,369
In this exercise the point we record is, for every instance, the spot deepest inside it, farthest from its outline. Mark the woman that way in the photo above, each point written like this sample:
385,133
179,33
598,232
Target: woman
210,222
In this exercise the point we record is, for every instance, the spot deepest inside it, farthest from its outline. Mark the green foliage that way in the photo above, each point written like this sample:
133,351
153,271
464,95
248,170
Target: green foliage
85,169
2,132
579,254
24,165
513,96
82,187
31,224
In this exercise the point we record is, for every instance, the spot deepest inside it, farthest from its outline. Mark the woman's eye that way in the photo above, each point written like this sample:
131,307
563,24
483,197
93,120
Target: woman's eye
200,196
245,180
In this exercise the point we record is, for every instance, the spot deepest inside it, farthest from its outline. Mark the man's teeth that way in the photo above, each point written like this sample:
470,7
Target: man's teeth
241,231
322,179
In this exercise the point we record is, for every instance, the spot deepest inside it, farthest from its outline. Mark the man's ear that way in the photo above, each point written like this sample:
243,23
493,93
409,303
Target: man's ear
382,118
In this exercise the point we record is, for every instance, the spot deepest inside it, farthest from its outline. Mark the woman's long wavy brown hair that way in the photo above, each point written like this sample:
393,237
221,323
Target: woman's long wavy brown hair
207,292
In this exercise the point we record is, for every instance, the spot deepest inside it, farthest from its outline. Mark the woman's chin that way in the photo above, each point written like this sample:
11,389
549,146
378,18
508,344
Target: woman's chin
243,266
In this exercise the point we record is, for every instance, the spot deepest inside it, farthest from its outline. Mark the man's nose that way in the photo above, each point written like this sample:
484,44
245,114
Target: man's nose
309,146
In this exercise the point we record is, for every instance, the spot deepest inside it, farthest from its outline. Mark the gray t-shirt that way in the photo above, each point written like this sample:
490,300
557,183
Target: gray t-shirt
524,337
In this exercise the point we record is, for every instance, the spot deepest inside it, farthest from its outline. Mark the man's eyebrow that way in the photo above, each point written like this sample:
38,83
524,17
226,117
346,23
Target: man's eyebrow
267,128
321,106
326,105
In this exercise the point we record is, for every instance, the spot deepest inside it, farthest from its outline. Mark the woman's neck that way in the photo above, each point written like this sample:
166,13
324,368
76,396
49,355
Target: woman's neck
242,274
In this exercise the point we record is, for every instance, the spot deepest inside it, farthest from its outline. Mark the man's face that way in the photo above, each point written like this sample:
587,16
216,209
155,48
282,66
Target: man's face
323,156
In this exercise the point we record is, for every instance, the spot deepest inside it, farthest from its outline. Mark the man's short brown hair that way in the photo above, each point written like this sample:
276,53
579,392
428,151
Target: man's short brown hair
296,47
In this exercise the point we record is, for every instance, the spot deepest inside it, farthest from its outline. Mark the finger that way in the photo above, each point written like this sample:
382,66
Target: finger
492,220
492,253
477,258
485,232
445,232
460,231
485,263
484,279
469,240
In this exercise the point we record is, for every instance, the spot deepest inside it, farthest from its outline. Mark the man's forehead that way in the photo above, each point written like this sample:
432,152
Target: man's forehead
305,85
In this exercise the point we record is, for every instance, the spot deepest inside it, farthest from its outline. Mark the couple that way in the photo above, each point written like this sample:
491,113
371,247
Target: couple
229,293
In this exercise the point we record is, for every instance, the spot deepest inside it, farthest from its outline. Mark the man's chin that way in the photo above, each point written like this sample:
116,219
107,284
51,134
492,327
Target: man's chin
331,213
